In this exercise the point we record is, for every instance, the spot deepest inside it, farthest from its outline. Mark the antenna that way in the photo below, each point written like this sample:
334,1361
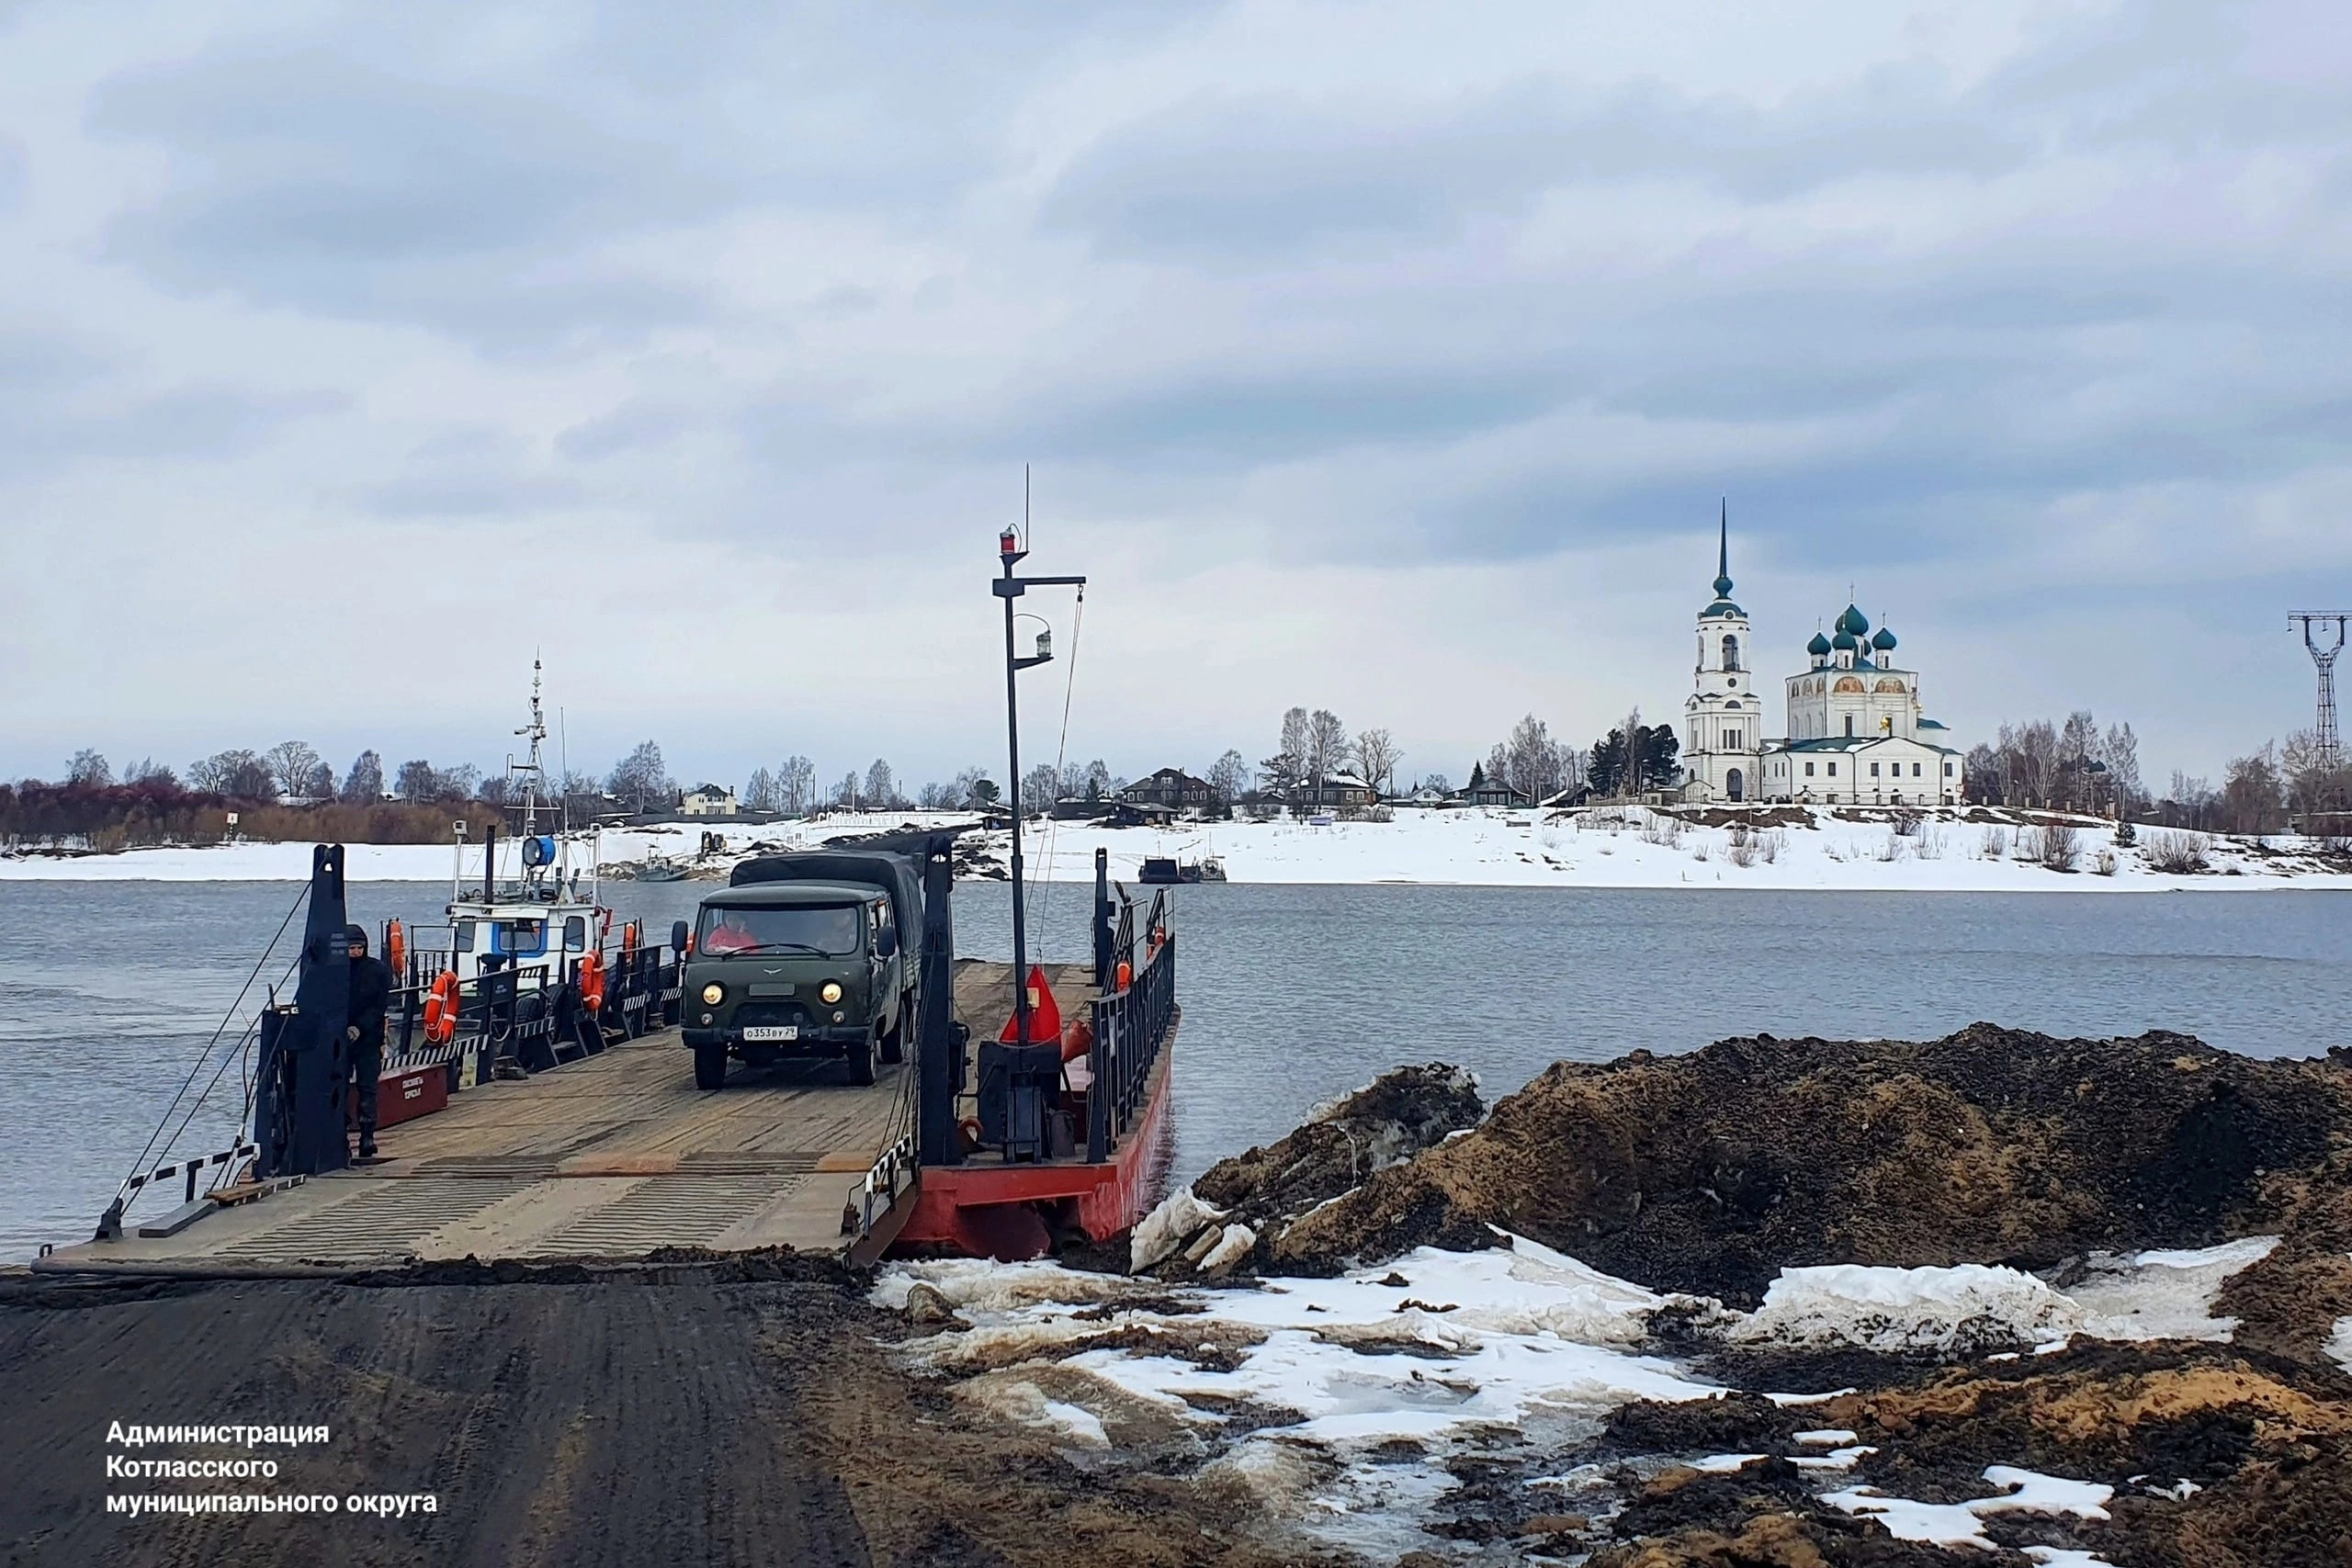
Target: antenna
1024,504
2325,659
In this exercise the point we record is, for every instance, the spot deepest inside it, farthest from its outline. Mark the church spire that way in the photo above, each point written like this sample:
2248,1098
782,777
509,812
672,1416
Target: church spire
1723,551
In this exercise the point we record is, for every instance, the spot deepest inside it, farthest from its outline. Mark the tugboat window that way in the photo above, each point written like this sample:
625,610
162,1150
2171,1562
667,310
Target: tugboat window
464,938
575,933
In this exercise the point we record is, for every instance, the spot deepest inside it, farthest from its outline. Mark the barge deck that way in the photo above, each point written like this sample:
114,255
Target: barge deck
608,1158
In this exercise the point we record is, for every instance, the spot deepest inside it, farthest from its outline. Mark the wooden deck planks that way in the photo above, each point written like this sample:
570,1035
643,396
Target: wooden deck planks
617,1151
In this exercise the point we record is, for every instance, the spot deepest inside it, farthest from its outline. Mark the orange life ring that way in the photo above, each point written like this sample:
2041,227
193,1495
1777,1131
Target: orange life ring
395,949
592,983
441,1010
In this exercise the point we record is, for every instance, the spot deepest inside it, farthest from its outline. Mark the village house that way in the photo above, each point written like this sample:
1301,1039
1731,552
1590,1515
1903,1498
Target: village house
1173,789
709,800
1337,792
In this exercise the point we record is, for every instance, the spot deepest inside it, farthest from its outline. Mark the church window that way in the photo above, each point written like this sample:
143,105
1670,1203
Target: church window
1731,739
1850,723
1731,653
1947,770
1914,770
1808,770
1873,770
1833,770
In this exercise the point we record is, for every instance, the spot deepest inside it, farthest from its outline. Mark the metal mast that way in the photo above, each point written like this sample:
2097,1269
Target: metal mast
1009,587
2325,659
531,772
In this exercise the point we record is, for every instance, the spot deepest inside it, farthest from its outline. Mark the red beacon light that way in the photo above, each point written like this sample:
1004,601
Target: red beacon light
1007,543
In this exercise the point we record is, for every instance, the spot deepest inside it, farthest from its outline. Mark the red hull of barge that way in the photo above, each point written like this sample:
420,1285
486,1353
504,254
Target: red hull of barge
1011,1211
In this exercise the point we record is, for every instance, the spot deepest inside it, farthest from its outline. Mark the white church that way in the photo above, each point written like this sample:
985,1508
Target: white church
1856,734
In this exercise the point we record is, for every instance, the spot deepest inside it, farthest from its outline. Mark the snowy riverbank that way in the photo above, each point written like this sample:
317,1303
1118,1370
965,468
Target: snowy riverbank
1809,849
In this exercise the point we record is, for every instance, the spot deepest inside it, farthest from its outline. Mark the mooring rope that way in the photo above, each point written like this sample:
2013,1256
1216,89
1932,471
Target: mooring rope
198,1066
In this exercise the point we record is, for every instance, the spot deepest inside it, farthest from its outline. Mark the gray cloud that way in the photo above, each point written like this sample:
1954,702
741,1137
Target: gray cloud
797,291
1221,176
62,399
305,179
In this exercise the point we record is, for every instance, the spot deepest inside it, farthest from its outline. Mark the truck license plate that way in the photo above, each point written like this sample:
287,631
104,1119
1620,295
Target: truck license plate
772,1031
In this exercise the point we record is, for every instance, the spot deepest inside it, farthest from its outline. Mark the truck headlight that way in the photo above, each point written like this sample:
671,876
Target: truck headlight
832,992
713,994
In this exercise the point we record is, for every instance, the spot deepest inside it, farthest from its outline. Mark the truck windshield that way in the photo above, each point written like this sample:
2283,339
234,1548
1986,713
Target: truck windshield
830,930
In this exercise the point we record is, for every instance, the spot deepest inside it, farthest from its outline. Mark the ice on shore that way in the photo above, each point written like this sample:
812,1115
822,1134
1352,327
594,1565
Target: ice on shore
1973,1307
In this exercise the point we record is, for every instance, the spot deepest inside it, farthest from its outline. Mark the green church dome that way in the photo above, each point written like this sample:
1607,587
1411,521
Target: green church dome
1885,641
1853,621
1844,640
1818,646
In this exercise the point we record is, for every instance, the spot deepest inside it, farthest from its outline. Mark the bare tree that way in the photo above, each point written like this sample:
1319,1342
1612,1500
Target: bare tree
2254,792
1294,728
881,785
364,784
89,768
1039,788
797,787
845,793
1327,746
758,791
320,785
1538,764
2120,749
291,763
1376,758
1229,777
641,779
146,769
240,773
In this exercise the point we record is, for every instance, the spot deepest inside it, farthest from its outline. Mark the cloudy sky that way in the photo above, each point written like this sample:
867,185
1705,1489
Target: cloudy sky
1384,356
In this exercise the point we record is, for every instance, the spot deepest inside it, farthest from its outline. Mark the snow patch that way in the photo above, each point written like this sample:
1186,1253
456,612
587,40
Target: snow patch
1972,1308
1956,1311
2164,1295
2339,1344
1962,1524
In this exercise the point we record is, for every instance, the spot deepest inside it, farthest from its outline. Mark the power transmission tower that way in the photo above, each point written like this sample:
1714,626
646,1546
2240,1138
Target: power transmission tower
2325,659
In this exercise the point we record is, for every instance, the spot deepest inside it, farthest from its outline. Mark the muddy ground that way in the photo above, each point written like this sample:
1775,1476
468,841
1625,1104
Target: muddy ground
1708,1173
681,1414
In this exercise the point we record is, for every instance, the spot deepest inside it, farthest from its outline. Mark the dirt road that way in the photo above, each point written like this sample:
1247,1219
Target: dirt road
682,1415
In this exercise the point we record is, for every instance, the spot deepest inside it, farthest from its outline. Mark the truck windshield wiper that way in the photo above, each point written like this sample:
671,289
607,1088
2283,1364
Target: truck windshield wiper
780,946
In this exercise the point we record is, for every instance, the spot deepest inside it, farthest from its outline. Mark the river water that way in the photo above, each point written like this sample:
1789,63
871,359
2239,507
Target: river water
1291,994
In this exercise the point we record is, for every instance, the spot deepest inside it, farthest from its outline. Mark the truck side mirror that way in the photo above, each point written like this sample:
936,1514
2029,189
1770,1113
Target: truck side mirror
886,942
678,938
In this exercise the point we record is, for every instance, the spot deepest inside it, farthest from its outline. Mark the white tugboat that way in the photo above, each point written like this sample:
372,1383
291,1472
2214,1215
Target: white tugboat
538,913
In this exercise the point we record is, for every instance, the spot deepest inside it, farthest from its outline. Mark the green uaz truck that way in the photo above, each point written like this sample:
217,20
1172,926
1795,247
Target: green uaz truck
810,954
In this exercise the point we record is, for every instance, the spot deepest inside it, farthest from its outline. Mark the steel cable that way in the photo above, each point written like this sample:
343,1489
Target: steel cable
140,1162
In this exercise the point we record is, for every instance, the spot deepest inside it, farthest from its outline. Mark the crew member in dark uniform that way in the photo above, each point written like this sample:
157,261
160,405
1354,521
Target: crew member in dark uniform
371,990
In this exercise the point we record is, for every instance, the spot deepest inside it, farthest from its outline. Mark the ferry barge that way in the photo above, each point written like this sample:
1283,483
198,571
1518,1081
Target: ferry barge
546,1105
